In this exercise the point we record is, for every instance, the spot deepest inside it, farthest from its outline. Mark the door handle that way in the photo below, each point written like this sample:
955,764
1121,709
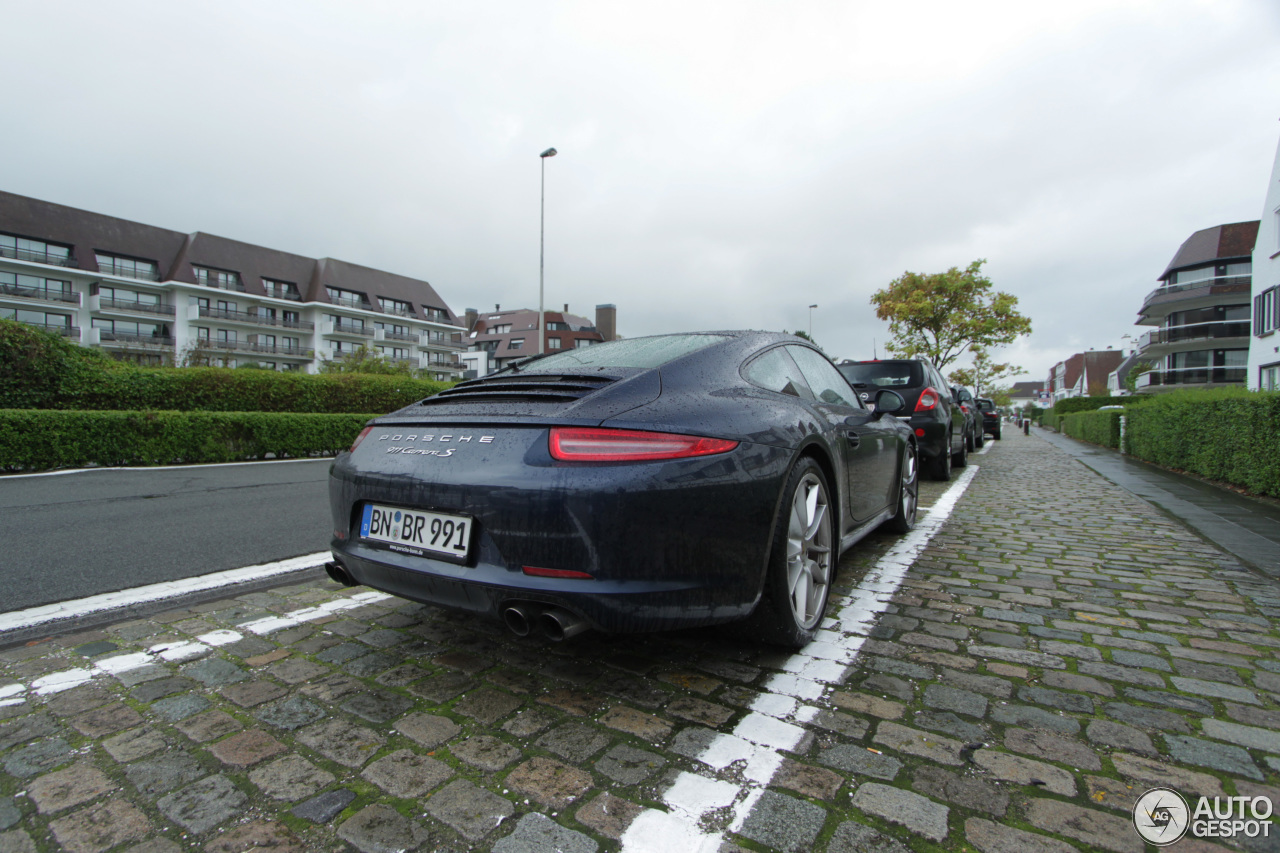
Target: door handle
852,438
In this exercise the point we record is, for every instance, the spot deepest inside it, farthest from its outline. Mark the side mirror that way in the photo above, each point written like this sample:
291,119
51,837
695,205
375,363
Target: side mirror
889,402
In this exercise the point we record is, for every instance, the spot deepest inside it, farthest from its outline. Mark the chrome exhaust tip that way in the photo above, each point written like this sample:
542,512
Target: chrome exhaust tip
559,625
517,619
339,574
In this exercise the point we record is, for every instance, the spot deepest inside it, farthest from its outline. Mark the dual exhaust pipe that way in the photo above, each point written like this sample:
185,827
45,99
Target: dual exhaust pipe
554,623
522,618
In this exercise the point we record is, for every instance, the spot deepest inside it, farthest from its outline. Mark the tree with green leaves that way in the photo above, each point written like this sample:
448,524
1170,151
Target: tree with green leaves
364,359
940,316
984,372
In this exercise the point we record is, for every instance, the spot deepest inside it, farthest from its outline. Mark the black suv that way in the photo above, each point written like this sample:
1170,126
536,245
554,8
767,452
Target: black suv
938,422
990,417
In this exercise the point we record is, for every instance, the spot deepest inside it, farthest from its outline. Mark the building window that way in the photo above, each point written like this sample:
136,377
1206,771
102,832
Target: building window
221,279
59,323
127,330
202,334
438,315
1269,377
1266,311
395,306
40,251
580,343
500,330
37,287
553,343
557,327
349,298
226,336
281,289
127,267
515,343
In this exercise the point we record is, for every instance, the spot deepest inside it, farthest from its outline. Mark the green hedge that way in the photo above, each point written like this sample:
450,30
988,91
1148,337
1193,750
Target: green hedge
36,440
1227,434
1087,404
1096,427
39,370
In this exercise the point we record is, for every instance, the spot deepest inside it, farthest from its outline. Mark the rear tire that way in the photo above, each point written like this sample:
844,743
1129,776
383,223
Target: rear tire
961,458
908,494
801,560
979,440
941,469
996,435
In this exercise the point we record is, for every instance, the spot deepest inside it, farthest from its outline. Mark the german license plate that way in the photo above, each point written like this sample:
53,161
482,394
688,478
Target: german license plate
415,532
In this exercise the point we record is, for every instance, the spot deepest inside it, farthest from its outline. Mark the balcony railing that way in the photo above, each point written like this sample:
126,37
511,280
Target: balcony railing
106,336
1211,286
129,272
45,257
65,331
400,310
291,295
1196,332
207,281
254,318
337,327
349,302
42,293
255,347
411,337
1193,376
111,304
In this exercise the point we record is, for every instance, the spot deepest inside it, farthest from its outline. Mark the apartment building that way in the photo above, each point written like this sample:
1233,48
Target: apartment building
1264,348
1202,310
1082,375
154,296
497,338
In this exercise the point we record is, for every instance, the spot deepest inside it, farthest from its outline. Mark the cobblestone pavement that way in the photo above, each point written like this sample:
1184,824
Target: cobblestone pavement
1055,649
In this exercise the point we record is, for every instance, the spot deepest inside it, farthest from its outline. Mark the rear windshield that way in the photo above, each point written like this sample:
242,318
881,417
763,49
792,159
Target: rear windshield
986,405
632,352
885,374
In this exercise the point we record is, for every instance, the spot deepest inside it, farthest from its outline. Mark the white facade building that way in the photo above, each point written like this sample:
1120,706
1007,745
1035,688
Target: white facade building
1264,347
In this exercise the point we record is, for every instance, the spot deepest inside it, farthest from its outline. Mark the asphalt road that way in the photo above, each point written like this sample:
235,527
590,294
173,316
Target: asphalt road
78,534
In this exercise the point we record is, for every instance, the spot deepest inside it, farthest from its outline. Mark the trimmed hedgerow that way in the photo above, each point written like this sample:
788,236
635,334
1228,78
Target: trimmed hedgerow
1226,434
40,370
1069,405
1096,427
37,440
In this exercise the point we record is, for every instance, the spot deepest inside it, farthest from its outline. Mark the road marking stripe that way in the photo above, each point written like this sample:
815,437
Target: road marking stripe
34,616
63,471
763,735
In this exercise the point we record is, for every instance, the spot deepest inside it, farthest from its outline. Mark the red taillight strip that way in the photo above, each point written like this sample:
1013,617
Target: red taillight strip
598,444
360,437
555,573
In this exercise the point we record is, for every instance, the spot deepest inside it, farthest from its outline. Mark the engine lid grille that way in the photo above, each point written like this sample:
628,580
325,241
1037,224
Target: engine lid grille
537,388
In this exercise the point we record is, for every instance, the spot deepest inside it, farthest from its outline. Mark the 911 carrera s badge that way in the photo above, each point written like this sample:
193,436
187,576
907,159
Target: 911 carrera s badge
421,451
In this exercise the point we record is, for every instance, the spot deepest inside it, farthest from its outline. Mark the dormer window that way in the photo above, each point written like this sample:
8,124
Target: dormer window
395,306
127,267
281,289
349,298
40,251
221,279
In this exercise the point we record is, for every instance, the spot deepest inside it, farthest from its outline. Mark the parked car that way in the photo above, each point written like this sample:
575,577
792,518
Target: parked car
972,419
638,485
991,419
935,418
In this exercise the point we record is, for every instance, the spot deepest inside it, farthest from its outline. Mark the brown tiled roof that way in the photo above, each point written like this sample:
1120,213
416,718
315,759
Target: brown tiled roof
1221,242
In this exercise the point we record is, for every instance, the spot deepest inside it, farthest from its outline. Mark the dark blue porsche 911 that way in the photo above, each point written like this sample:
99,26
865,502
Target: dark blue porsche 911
639,485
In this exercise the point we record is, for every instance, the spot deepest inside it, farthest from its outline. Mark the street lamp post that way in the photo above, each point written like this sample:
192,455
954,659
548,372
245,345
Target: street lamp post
811,307
542,252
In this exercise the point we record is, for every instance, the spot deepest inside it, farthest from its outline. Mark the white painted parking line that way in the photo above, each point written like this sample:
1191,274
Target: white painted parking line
118,665
79,607
153,468
771,729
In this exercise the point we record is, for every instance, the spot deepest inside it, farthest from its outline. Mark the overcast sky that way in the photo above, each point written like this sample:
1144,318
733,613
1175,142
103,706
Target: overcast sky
721,165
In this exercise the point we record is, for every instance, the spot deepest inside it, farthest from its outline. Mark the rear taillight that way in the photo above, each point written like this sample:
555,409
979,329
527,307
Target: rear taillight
597,444
360,437
928,400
